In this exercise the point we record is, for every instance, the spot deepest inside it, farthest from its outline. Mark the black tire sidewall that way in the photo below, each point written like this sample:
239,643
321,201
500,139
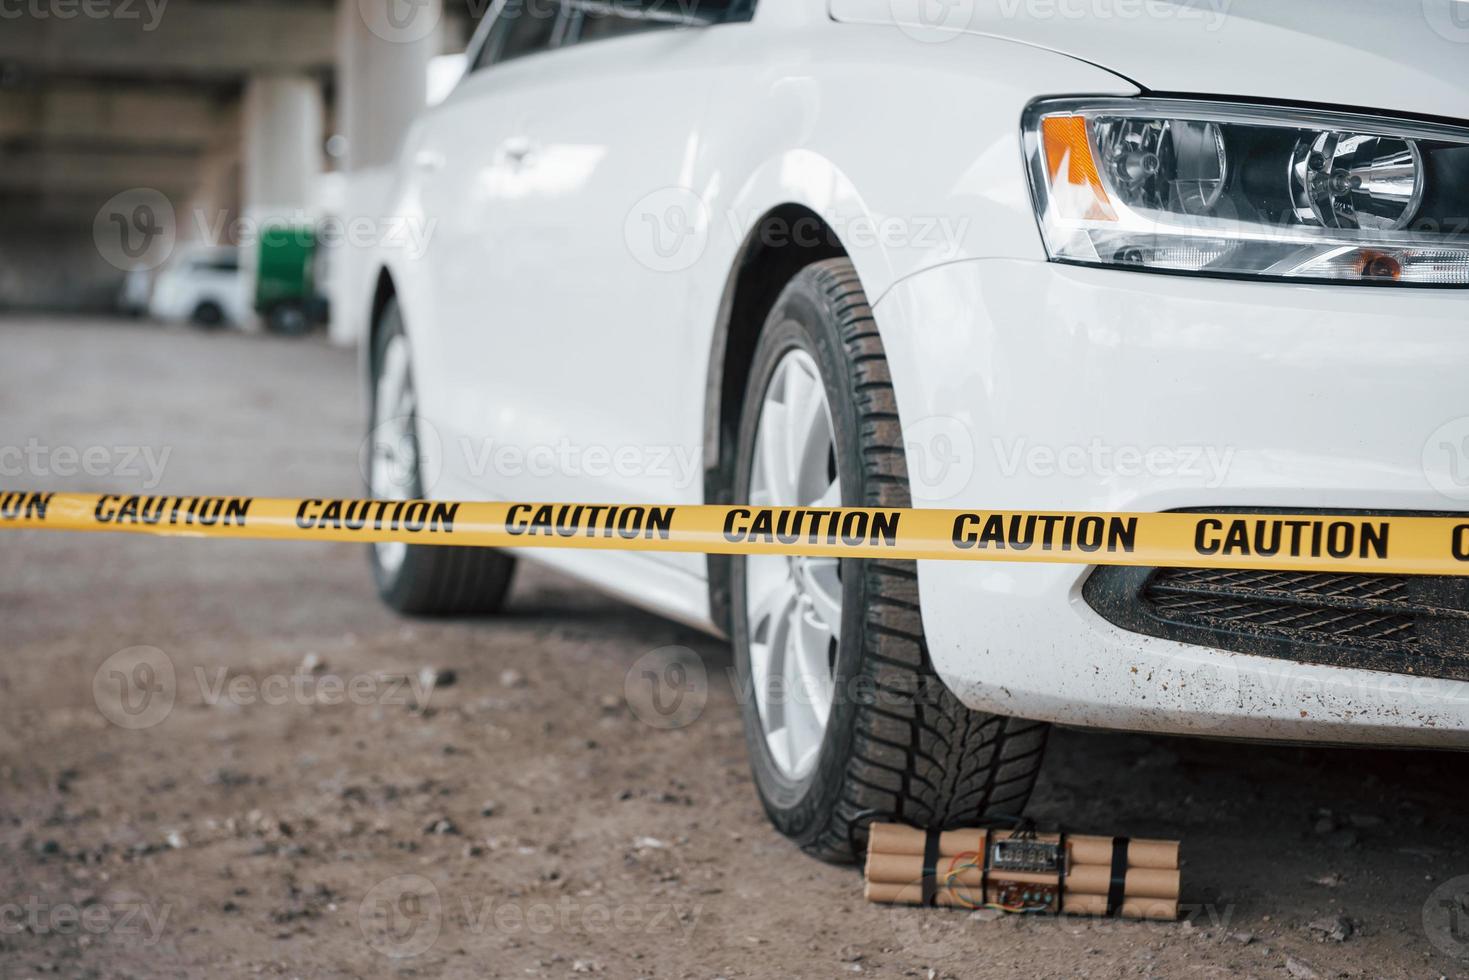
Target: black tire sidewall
289,319
208,315
803,320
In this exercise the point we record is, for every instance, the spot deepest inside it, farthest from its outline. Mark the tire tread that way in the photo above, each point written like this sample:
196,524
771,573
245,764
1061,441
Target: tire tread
958,766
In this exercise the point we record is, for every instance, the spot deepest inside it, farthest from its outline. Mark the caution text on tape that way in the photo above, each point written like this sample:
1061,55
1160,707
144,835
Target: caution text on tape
1414,545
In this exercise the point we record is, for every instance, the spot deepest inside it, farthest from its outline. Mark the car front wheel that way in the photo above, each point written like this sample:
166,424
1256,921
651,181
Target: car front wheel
845,718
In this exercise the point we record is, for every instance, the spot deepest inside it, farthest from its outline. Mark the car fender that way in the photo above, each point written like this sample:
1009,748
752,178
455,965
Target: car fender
912,167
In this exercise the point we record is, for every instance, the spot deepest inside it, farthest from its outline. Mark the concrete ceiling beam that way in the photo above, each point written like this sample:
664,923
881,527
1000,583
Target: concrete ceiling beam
55,170
95,115
173,39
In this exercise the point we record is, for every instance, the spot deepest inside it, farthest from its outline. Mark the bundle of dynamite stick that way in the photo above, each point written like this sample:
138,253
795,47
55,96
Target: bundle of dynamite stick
1019,870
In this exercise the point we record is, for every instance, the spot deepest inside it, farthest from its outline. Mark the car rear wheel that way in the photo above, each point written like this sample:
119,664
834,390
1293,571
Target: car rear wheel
426,580
845,718
207,314
289,318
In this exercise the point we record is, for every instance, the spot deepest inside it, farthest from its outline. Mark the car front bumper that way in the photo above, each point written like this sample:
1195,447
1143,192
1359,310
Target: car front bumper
1031,385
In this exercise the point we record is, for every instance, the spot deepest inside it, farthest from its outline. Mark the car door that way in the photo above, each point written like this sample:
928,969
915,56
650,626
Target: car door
591,340
467,160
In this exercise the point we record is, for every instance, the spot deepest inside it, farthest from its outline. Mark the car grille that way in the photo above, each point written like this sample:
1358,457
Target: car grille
1373,609
1404,624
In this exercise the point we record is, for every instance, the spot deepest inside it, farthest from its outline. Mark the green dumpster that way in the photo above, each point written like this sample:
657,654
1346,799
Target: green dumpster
285,289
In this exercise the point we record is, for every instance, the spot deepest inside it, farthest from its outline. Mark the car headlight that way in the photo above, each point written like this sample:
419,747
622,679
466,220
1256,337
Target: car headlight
1237,190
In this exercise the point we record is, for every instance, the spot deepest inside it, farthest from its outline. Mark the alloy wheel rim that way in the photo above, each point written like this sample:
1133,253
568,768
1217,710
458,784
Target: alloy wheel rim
793,606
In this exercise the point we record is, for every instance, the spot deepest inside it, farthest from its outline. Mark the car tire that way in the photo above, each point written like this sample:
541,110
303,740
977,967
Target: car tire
289,318
896,745
208,315
422,580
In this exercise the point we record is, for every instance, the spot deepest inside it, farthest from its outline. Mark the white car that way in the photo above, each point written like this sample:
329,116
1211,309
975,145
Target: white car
202,285
1071,257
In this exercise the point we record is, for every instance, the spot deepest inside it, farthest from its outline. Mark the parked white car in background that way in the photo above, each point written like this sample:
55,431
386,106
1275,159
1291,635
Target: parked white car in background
203,285
830,252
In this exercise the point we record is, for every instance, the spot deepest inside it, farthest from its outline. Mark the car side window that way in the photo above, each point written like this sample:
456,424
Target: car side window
595,20
215,264
724,11
523,27
599,21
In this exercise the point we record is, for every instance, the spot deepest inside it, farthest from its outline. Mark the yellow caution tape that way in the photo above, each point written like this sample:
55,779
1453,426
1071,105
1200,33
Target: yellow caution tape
1299,542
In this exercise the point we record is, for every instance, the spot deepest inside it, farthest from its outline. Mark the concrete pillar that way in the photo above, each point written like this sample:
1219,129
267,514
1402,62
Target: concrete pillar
383,52
282,121
382,74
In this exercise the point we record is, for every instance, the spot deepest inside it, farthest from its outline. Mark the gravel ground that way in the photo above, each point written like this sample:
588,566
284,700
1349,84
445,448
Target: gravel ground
288,780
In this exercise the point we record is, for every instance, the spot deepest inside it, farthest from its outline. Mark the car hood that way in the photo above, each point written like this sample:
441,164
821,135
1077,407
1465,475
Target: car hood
1389,55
